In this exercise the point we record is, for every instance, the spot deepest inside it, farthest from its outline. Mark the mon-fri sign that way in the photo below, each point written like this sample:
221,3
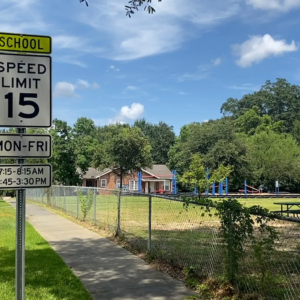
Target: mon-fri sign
25,146
25,91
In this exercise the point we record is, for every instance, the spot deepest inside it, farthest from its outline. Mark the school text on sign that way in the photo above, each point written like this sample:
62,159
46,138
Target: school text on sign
25,43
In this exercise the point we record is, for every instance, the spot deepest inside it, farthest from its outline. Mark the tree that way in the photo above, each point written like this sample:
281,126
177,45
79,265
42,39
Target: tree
134,5
274,157
84,126
64,158
84,149
126,151
232,154
195,176
296,131
280,100
161,137
107,132
199,138
251,122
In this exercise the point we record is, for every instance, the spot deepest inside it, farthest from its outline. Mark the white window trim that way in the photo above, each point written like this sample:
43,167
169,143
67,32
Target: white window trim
105,183
118,182
135,185
168,184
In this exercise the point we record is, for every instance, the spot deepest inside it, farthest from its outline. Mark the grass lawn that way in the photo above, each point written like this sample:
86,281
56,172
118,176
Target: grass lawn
191,237
47,276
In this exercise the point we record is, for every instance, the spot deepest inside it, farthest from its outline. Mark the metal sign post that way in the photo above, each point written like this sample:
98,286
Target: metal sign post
20,236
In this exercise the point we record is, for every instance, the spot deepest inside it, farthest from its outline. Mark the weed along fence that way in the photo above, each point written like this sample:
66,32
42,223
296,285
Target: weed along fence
258,254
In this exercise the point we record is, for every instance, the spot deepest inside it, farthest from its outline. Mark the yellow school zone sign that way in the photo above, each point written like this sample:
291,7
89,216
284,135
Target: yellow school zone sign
25,43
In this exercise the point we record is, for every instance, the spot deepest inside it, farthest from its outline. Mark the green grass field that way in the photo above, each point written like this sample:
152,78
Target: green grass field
47,276
191,237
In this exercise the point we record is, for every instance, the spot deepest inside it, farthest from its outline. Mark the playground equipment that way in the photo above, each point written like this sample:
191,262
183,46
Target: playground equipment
174,180
252,191
220,186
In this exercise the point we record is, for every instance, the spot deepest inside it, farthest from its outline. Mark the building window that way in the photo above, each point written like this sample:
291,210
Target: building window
118,182
103,183
167,185
133,185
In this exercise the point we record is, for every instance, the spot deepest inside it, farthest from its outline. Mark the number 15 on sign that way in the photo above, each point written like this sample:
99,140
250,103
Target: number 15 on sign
25,91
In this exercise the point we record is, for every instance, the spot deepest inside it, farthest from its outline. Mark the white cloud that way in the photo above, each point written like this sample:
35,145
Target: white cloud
217,61
205,121
21,16
114,68
201,73
126,113
67,42
82,84
131,88
244,87
277,5
257,48
73,60
133,112
162,32
95,86
65,89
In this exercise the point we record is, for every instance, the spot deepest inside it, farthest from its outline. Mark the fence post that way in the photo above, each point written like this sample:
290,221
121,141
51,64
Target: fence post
119,215
77,205
231,252
150,227
65,205
95,206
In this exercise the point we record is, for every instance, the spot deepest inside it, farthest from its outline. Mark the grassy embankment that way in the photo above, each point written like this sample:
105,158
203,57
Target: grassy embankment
47,276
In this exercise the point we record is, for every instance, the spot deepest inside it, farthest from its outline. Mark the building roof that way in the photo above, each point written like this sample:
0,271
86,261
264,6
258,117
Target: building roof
93,173
159,171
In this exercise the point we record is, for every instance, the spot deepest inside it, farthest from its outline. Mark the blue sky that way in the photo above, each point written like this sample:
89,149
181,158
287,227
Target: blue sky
178,65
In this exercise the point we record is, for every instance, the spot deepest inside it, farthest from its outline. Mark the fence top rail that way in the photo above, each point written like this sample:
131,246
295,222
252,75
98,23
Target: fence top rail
84,187
278,217
177,199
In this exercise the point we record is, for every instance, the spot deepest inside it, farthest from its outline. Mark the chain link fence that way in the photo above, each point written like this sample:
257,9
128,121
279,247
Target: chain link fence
186,238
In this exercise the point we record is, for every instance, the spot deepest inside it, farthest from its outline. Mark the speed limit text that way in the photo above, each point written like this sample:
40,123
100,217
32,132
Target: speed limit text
21,68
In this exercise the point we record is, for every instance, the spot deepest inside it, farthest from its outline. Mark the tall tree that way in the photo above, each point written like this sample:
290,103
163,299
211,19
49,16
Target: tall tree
64,158
84,126
274,157
199,138
107,132
126,151
280,100
251,122
161,137
232,154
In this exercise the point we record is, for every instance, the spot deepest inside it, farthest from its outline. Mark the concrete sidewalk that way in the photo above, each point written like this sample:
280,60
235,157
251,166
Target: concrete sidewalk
108,271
